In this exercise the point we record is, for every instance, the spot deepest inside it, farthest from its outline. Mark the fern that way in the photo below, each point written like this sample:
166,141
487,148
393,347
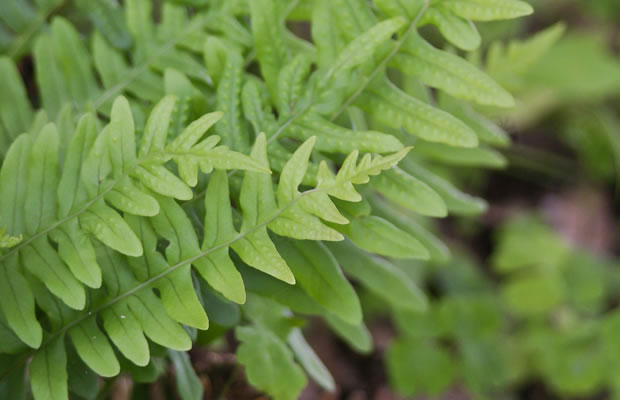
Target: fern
130,216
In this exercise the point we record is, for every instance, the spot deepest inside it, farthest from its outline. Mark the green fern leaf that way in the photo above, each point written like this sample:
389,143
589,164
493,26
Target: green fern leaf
258,204
40,259
481,156
188,384
105,191
364,46
341,187
48,372
177,290
460,32
256,107
271,50
107,17
70,192
325,34
380,276
389,105
334,138
156,129
487,131
89,176
13,180
230,127
232,29
260,352
354,17
126,333
356,336
110,228
408,222
63,73
93,347
379,236
310,361
113,71
508,64
409,192
488,10
17,303
216,267
215,52
156,323
290,85
271,288
42,180
457,202
16,113
317,271
295,221
189,99
451,73
408,8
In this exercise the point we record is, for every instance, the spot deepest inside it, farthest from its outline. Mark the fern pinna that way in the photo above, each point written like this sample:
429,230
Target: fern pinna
120,210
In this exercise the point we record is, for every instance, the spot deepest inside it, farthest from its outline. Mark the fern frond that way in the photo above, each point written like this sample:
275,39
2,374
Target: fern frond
129,281
64,72
104,183
69,206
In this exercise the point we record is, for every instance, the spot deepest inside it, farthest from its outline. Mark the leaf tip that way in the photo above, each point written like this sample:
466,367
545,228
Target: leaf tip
217,115
525,9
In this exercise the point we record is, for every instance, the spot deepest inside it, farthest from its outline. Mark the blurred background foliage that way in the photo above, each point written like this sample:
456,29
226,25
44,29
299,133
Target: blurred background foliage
527,309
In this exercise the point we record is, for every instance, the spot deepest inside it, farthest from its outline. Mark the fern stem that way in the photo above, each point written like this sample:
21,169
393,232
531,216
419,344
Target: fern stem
397,45
288,122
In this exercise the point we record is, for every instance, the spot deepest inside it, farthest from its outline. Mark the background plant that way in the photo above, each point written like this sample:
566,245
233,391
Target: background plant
529,310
